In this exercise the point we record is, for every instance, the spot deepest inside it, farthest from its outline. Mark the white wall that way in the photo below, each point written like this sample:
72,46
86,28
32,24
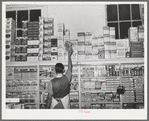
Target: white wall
79,17
76,17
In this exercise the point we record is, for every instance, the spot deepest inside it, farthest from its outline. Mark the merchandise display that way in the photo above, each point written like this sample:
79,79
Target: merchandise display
101,64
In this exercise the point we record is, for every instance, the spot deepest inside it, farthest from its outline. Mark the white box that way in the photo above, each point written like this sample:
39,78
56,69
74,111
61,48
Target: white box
32,58
122,43
81,38
100,41
54,49
81,57
81,48
106,30
112,31
114,54
88,48
33,42
60,44
121,53
32,50
61,58
106,38
107,54
53,57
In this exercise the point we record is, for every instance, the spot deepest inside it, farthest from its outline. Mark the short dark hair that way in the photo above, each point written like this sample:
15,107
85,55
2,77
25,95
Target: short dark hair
59,68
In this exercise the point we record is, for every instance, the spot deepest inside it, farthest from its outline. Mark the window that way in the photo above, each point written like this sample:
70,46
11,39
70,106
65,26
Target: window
11,14
122,17
20,15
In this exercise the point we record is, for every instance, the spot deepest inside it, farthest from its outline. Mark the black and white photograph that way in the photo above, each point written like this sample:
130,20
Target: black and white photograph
89,58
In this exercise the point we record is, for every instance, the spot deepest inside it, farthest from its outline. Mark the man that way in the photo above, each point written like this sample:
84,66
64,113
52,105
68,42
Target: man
59,87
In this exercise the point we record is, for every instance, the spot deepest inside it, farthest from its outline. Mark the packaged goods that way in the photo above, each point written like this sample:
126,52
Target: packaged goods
60,44
121,53
81,36
113,54
32,58
110,46
94,41
141,33
18,58
122,43
100,41
106,38
106,30
107,54
74,106
101,54
10,73
133,34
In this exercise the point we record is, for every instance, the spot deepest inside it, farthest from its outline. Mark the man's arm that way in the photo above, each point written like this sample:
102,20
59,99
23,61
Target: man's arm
49,97
69,71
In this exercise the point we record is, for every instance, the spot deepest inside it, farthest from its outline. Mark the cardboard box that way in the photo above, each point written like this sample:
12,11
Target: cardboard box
33,42
121,53
122,43
54,49
81,37
107,54
106,30
32,50
53,57
113,53
106,38
101,54
32,58
133,34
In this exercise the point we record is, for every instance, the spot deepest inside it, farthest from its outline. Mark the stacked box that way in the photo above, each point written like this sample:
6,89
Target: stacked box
24,24
106,34
95,48
10,30
41,37
81,45
10,39
110,50
123,47
112,34
136,49
54,51
88,46
48,26
33,30
24,30
101,50
141,33
32,50
61,31
75,50
133,34
74,96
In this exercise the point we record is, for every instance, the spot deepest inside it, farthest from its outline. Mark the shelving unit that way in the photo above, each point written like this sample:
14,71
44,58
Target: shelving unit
77,64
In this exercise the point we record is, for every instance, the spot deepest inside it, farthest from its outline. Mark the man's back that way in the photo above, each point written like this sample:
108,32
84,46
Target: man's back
60,86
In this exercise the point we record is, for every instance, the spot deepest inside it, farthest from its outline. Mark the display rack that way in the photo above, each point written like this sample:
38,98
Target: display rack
78,64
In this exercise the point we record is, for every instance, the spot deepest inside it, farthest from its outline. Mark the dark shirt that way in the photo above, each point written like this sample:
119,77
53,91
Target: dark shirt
60,86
